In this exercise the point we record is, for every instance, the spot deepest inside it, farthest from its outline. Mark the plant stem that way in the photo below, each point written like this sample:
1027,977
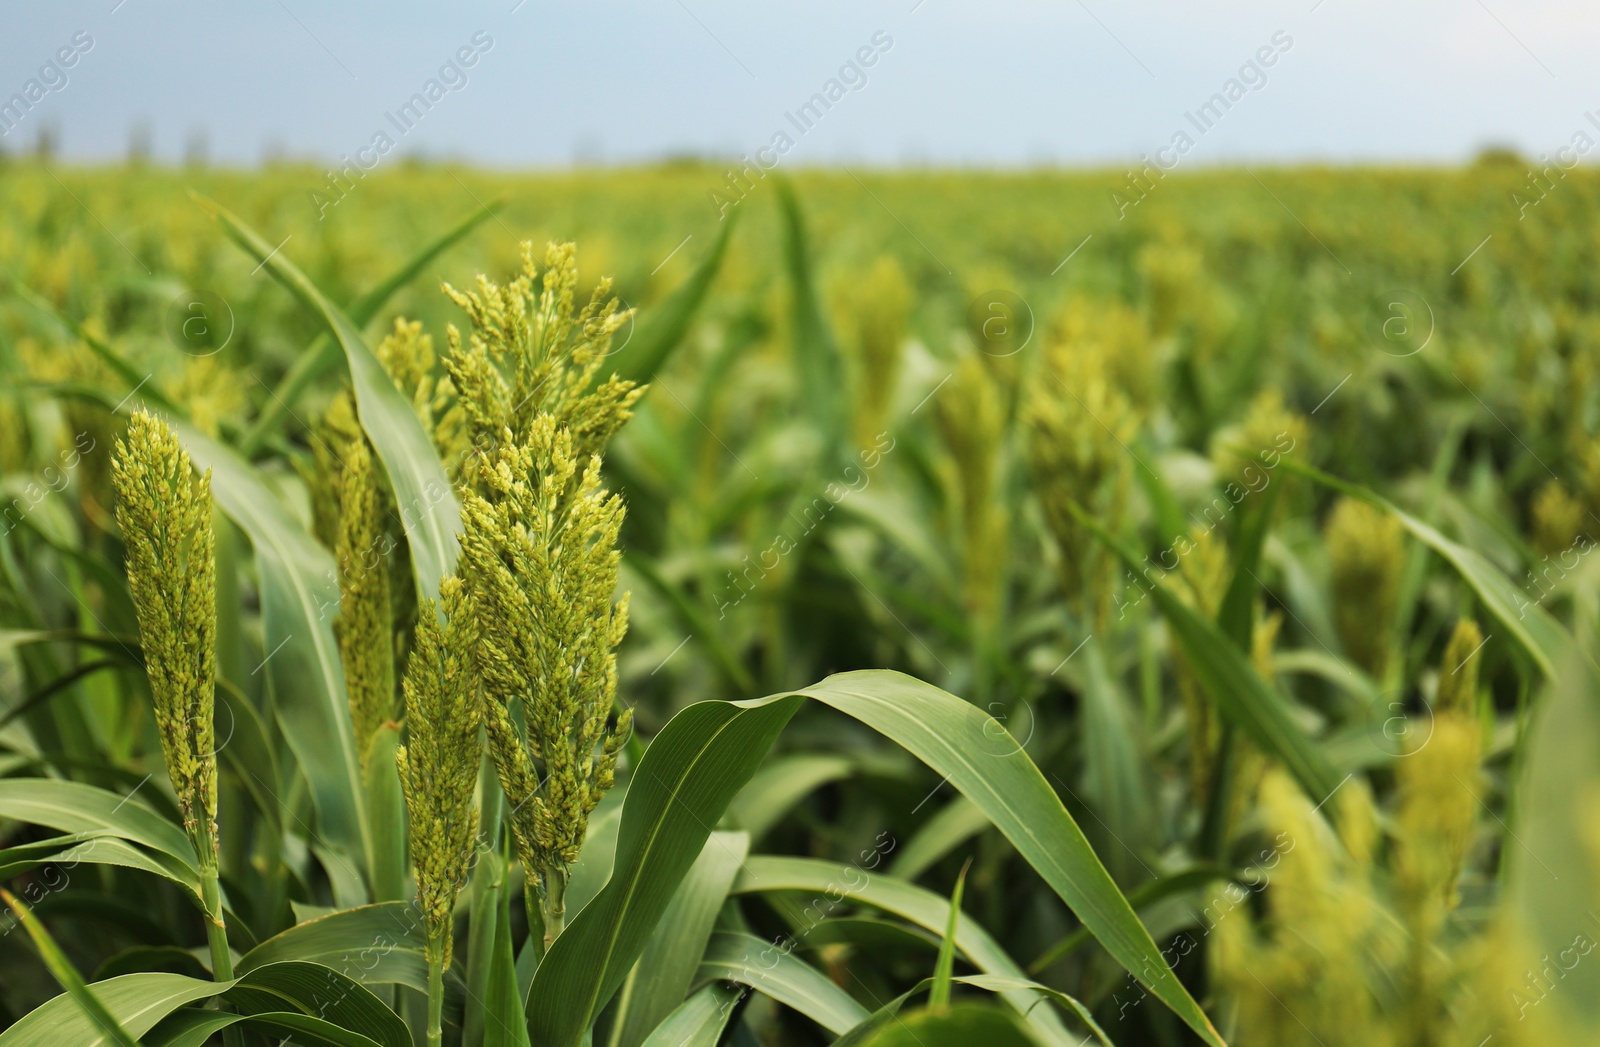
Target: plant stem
216,925
435,993
217,933
534,912
554,901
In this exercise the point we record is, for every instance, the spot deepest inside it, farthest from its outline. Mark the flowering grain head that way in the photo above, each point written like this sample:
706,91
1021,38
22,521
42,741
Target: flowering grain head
164,513
439,762
1366,555
971,423
365,625
531,355
540,569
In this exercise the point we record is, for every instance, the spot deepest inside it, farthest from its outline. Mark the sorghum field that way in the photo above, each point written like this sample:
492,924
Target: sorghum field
922,608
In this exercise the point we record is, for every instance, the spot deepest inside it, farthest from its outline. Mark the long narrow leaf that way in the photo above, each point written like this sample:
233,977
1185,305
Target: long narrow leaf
699,760
423,495
1546,642
323,351
1225,672
110,1029
776,972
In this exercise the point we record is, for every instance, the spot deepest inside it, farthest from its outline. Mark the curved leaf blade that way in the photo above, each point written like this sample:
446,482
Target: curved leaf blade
742,958
422,492
374,944
705,753
661,978
698,1021
73,807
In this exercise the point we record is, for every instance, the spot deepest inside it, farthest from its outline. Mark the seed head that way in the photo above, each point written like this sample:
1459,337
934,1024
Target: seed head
164,513
439,762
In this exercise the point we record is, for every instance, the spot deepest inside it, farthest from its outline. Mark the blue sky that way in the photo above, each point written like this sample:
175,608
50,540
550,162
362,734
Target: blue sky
1003,82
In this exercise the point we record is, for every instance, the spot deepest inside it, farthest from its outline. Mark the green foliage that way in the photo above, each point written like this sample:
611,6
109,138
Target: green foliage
1122,637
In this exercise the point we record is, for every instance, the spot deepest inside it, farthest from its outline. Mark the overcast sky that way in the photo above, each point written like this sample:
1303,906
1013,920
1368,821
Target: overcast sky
996,82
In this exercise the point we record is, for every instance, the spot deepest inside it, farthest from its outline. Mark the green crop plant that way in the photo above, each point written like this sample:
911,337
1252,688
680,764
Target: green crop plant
710,660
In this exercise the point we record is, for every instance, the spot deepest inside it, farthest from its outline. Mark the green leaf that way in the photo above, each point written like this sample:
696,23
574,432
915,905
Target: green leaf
1233,684
945,968
104,847
881,1018
503,1022
661,977
1146,894
1546,642
774,970
299,597
1553,866
136,1001
968,1023
318,991
195,1028
109,1027
1236,616
819,370
665,325
73,807
1115,775
782,783
951,826
685,781
374,944
322,352
483,902
422,492
387,811
705,753
839,884
699,1020
148,388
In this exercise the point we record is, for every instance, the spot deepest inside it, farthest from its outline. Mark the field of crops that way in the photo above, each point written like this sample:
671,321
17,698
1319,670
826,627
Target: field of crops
907,608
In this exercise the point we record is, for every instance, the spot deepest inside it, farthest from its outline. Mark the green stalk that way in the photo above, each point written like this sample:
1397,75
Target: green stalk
554,904
216,924
435,993
533,902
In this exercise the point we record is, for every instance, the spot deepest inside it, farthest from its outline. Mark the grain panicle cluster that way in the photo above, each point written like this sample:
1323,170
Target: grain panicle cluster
164,513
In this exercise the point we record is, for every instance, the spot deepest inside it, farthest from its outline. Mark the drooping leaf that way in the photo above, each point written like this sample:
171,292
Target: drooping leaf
375,944
423,496
1546,642
322,352
73,807
697,763
1245,699
775,971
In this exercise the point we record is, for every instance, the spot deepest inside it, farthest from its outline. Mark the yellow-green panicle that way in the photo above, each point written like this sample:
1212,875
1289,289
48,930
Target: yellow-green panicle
365,626
439,762
164,513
